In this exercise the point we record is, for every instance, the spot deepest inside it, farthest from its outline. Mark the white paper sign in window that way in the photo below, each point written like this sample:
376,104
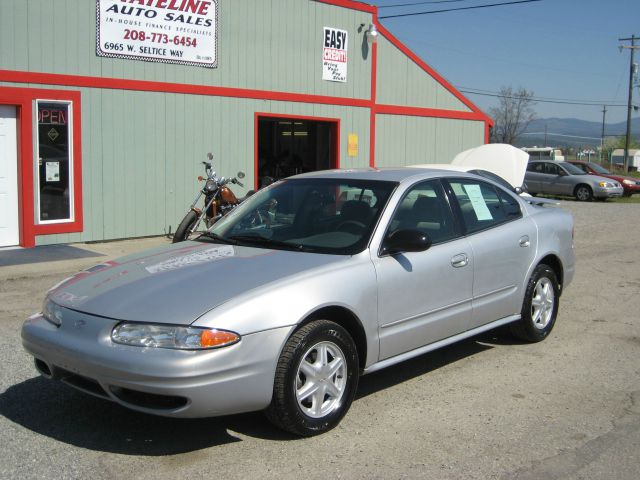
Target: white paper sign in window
477,202
334,55
168,31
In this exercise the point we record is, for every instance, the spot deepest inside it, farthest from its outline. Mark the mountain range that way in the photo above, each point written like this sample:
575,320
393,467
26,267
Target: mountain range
572,132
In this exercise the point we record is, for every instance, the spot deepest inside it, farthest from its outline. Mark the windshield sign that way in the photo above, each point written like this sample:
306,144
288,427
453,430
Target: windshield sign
334,216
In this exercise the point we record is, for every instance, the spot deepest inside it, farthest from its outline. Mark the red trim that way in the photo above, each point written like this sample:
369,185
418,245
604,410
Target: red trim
336,132
487,132
363,7
23,99
429,112
164,87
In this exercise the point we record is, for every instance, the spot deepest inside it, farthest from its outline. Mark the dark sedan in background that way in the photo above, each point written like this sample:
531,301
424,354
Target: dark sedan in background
630,185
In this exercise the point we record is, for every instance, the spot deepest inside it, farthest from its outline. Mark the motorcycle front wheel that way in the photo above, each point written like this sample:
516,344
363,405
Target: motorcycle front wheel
186,225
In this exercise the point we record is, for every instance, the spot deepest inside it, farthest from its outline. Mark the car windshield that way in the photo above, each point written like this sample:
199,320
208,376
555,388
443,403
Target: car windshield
599,169
319,215
572,169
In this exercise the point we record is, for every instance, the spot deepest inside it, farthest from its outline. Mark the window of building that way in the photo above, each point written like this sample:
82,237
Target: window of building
54,162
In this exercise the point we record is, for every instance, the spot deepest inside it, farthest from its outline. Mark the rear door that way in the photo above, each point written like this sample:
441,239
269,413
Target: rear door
503,243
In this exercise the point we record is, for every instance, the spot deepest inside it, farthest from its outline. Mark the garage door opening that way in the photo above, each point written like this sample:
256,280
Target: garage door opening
291,145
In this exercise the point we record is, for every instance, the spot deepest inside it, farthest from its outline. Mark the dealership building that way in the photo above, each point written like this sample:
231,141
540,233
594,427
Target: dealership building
109,107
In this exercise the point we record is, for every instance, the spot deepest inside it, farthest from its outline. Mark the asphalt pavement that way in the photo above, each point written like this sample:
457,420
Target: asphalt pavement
487,408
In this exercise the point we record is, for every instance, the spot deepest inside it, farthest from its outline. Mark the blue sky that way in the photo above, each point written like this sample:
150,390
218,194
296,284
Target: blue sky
564,49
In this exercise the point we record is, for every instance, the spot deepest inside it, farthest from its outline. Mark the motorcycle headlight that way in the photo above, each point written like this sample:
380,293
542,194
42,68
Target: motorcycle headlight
210,185
172,336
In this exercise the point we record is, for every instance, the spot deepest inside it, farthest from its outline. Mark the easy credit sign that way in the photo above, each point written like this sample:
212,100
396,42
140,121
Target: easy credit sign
169,31
334,54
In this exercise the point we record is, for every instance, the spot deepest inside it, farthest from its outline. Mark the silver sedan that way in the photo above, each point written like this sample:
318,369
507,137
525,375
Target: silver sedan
563,178
304,287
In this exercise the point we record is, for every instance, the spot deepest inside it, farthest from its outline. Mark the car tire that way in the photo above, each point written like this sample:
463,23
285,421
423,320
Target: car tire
316,379
539,307
583,193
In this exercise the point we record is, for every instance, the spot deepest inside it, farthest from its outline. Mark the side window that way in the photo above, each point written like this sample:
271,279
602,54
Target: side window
510,205
551,169
425,208
482,205
582,167
535,167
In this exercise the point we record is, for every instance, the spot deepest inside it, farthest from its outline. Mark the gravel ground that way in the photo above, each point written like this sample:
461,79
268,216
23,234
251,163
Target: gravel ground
490,407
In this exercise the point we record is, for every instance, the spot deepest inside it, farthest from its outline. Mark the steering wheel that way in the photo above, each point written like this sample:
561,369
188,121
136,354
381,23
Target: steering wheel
352,226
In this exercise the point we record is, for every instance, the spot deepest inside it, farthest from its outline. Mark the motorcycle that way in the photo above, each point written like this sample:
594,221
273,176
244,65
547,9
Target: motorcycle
218,201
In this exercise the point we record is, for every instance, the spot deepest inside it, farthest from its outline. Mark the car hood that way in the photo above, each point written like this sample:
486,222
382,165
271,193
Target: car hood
178,283
504,160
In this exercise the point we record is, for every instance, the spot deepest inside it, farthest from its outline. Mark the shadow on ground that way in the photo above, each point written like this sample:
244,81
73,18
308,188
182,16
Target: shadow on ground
57,411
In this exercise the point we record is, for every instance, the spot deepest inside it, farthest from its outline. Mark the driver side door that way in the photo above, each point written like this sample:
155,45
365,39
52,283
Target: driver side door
424,296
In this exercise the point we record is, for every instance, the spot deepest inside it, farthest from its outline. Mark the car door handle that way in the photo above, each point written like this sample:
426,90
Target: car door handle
524,241
460,260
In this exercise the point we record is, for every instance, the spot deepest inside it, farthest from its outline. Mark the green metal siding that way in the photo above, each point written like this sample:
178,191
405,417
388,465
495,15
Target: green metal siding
142,153
402,141
271,45
402,82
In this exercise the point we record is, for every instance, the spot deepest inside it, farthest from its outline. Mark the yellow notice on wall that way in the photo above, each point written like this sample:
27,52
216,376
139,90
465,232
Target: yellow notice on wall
352,149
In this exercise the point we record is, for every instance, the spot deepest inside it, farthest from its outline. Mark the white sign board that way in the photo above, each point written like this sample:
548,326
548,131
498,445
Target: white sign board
168,31
334,55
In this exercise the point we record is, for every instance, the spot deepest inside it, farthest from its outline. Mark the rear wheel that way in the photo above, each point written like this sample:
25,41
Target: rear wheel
583,193
316,379
540,306
184,229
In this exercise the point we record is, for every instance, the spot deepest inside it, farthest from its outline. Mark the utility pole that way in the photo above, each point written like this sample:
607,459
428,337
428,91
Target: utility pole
633,48
604,113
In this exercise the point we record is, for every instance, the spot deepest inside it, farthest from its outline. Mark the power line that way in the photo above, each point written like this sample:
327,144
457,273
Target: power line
418,3
590,103
458,9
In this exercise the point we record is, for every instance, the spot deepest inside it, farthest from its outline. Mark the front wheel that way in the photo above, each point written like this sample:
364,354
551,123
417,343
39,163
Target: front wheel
186,225
583,193
316,379
540,306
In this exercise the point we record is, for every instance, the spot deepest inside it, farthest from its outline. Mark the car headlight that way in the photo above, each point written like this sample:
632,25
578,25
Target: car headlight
51,312
172,336
628,182
607,184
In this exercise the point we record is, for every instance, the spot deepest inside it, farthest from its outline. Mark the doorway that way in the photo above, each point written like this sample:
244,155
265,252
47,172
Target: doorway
9,220
291,145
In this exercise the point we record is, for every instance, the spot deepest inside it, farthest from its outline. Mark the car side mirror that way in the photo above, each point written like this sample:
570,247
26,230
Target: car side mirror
406,241
562,173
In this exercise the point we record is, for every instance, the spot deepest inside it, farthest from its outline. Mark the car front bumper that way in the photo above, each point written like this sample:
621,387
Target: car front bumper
602,192
172,383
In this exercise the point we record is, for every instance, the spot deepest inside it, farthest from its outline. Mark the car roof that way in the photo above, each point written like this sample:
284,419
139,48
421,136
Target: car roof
393,174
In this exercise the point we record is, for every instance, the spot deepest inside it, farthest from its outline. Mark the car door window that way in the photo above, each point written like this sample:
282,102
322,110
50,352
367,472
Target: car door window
482,205
551,169
425,208
535,167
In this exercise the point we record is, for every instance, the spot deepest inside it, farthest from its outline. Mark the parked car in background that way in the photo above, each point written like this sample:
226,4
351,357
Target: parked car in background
311,282
630,185
561,178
